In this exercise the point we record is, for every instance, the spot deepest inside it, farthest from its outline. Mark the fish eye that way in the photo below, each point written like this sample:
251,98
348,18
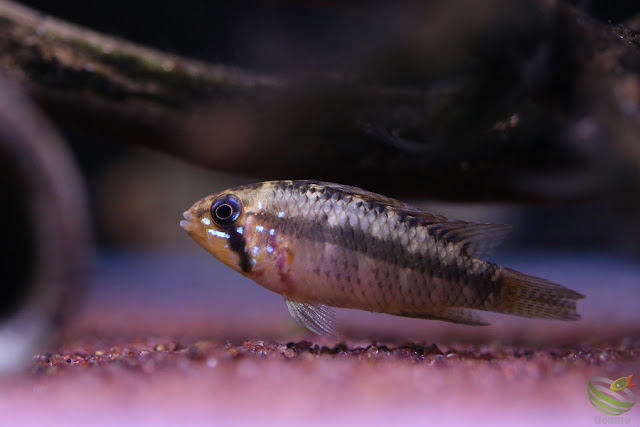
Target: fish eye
225,209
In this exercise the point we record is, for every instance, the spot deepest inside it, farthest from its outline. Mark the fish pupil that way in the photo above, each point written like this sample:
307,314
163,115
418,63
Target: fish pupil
224,211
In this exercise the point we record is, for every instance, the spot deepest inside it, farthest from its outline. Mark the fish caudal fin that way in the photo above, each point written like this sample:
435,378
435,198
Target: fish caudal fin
530,296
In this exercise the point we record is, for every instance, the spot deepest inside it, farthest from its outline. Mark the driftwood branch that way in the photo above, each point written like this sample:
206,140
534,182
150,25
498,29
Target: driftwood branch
108,85
504,106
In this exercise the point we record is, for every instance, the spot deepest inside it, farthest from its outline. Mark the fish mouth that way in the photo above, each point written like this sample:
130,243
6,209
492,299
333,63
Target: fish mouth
187,223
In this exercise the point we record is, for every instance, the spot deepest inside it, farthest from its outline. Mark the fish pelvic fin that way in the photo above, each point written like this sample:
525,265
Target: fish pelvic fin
530,296
317,318
452,315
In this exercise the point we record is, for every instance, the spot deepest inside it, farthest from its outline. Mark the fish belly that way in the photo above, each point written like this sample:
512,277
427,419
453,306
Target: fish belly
333,275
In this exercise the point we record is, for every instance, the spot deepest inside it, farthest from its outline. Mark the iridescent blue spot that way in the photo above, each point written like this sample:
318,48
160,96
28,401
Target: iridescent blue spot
280,214
205,221
269,249
255,250
218,233
239,230
259,228
260,205
272,231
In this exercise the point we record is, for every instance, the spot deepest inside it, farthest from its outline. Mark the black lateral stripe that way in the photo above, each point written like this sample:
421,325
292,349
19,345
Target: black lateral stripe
238,245
389,251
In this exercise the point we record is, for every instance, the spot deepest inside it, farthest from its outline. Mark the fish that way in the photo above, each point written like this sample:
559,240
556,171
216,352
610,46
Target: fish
322,245
622,383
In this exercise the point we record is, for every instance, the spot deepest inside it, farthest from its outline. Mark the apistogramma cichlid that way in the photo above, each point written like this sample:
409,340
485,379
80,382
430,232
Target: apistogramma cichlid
320,244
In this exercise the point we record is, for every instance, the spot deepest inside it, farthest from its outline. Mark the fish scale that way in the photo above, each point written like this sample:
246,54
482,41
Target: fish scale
335,245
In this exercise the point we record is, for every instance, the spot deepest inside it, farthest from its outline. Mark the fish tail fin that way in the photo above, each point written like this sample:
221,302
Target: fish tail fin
530,296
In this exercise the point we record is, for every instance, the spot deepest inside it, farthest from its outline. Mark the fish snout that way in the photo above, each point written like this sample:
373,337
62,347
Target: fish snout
188,221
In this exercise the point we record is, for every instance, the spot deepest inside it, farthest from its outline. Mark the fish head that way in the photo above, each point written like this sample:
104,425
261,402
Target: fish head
229,226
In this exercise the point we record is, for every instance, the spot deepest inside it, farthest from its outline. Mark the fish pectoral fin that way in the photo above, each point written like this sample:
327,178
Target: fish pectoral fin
317,318
453,315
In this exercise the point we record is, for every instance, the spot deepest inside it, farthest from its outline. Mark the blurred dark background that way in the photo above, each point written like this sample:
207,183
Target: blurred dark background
136,195
249,33
278,37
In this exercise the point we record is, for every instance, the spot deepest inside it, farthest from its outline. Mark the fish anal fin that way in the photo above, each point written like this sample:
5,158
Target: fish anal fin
452,314
476,239
317,318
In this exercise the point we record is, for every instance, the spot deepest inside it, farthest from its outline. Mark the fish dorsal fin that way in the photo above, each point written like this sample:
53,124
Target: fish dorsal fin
475,239
379,199
364,194
317,318
452,314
